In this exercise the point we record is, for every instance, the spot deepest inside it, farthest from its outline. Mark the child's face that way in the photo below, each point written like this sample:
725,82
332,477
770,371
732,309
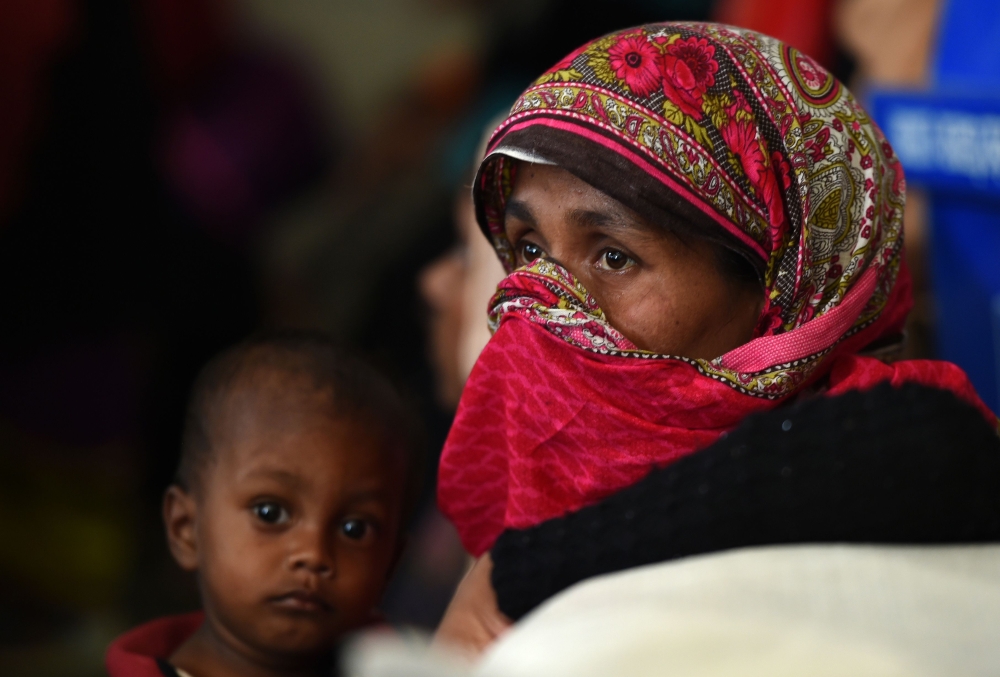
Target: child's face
296,528
663,294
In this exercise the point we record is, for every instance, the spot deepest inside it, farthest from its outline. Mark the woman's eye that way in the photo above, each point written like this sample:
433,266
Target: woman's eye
530,252
355,529
615,259
270,512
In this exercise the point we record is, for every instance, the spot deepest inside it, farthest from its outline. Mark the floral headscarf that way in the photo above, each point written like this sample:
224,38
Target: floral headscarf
741,139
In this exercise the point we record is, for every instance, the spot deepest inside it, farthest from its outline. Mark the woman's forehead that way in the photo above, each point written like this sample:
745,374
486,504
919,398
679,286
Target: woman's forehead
551,186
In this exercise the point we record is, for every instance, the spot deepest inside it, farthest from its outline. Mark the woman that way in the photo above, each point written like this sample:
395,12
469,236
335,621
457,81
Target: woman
700,224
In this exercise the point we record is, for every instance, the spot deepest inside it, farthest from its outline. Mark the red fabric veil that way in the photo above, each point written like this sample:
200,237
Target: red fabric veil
753,145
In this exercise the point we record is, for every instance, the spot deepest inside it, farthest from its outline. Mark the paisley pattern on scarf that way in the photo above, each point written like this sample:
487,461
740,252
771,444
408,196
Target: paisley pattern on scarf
743,137
768,143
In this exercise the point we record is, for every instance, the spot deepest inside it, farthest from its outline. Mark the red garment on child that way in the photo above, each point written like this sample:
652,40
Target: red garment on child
134,654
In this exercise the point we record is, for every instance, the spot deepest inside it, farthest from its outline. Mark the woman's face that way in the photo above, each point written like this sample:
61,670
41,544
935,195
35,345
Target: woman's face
665,295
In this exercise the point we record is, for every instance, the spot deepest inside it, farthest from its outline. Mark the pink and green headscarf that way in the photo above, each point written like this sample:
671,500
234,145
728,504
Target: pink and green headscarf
723,133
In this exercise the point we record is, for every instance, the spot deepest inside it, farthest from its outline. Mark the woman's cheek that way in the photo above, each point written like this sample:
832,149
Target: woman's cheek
656,316
626,311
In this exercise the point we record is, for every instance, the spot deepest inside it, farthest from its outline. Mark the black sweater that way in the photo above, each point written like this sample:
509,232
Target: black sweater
908,466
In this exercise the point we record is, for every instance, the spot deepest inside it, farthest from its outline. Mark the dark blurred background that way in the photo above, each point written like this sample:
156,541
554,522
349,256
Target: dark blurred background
176,174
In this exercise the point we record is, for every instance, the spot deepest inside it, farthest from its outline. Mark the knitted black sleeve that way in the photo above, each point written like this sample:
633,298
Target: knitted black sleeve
913,465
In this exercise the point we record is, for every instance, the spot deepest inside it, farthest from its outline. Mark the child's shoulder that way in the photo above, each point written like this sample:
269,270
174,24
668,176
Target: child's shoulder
141,651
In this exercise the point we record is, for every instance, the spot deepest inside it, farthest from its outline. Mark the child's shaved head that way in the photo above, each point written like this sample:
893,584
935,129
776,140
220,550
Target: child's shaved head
278,374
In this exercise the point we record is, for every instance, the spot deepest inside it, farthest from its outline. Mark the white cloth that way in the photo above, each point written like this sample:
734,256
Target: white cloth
774,611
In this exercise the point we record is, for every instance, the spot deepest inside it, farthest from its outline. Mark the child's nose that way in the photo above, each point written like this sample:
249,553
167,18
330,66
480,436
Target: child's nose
314,556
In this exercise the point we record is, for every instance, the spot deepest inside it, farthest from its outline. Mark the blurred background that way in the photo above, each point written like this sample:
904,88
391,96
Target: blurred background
176,174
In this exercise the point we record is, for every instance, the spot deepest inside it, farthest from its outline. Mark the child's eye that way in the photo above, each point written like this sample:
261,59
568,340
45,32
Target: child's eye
615,259
355,529
270,512
531,251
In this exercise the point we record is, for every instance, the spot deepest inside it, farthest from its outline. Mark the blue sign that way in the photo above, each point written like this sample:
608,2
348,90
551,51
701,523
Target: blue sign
948,140
945,142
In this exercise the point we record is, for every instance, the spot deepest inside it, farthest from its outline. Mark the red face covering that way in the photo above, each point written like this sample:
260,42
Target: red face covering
757,148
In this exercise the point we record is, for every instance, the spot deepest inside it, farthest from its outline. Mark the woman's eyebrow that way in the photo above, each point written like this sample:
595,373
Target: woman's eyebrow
519,210
608,220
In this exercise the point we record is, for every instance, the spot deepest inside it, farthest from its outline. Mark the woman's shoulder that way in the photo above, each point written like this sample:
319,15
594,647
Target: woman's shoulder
886,465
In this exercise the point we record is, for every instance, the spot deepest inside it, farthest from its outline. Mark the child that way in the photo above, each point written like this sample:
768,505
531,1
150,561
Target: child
297,468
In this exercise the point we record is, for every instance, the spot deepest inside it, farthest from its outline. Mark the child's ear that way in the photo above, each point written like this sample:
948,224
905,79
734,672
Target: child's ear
180,511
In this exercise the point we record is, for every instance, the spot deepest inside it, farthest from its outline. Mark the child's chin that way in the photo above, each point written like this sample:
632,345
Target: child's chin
300,637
